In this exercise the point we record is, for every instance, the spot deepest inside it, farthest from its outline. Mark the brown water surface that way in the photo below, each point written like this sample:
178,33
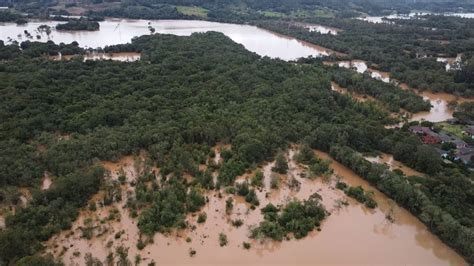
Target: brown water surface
319,28
393,164
351,235
440,110
46,182
360,97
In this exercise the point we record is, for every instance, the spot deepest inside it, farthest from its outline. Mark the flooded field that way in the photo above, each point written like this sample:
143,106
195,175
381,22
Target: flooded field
352,234
119,31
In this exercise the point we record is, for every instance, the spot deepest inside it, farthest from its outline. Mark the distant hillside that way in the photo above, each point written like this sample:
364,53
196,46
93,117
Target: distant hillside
227,8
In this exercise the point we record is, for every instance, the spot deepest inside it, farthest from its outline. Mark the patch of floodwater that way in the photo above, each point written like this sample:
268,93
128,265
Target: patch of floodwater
462,15
119,31
218,150
384,19
393,164
412,15
361,67
385,77
440,110
2,222
451,62
46,182
71,246
404,235
122,57
440,105
319,28
350,230
362,98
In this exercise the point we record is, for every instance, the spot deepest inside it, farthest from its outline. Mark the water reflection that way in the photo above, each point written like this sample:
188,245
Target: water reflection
119,31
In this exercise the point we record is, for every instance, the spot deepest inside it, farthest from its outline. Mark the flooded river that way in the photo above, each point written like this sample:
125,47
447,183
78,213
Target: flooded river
440,110
351,235
118,31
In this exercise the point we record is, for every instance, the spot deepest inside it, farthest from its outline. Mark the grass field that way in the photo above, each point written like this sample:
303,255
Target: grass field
193,11
455,130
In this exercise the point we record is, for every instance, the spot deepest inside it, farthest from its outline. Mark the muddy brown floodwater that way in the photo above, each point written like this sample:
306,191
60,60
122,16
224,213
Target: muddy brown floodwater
440,110
360,97
351,235
393,164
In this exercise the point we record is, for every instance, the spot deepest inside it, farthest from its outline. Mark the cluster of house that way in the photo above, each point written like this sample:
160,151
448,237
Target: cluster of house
463,152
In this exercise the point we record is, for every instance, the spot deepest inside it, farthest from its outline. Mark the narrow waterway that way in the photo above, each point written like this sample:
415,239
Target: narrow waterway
440,101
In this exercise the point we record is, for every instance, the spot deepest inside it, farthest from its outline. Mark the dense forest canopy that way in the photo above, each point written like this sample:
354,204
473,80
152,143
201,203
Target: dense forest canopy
407,49
183,97
185,93
188,94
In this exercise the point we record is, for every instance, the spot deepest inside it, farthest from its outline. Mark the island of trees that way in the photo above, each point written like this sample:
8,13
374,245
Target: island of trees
77,25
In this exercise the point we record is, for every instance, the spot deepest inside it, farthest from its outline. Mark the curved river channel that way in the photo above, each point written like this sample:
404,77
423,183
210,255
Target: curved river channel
351,235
